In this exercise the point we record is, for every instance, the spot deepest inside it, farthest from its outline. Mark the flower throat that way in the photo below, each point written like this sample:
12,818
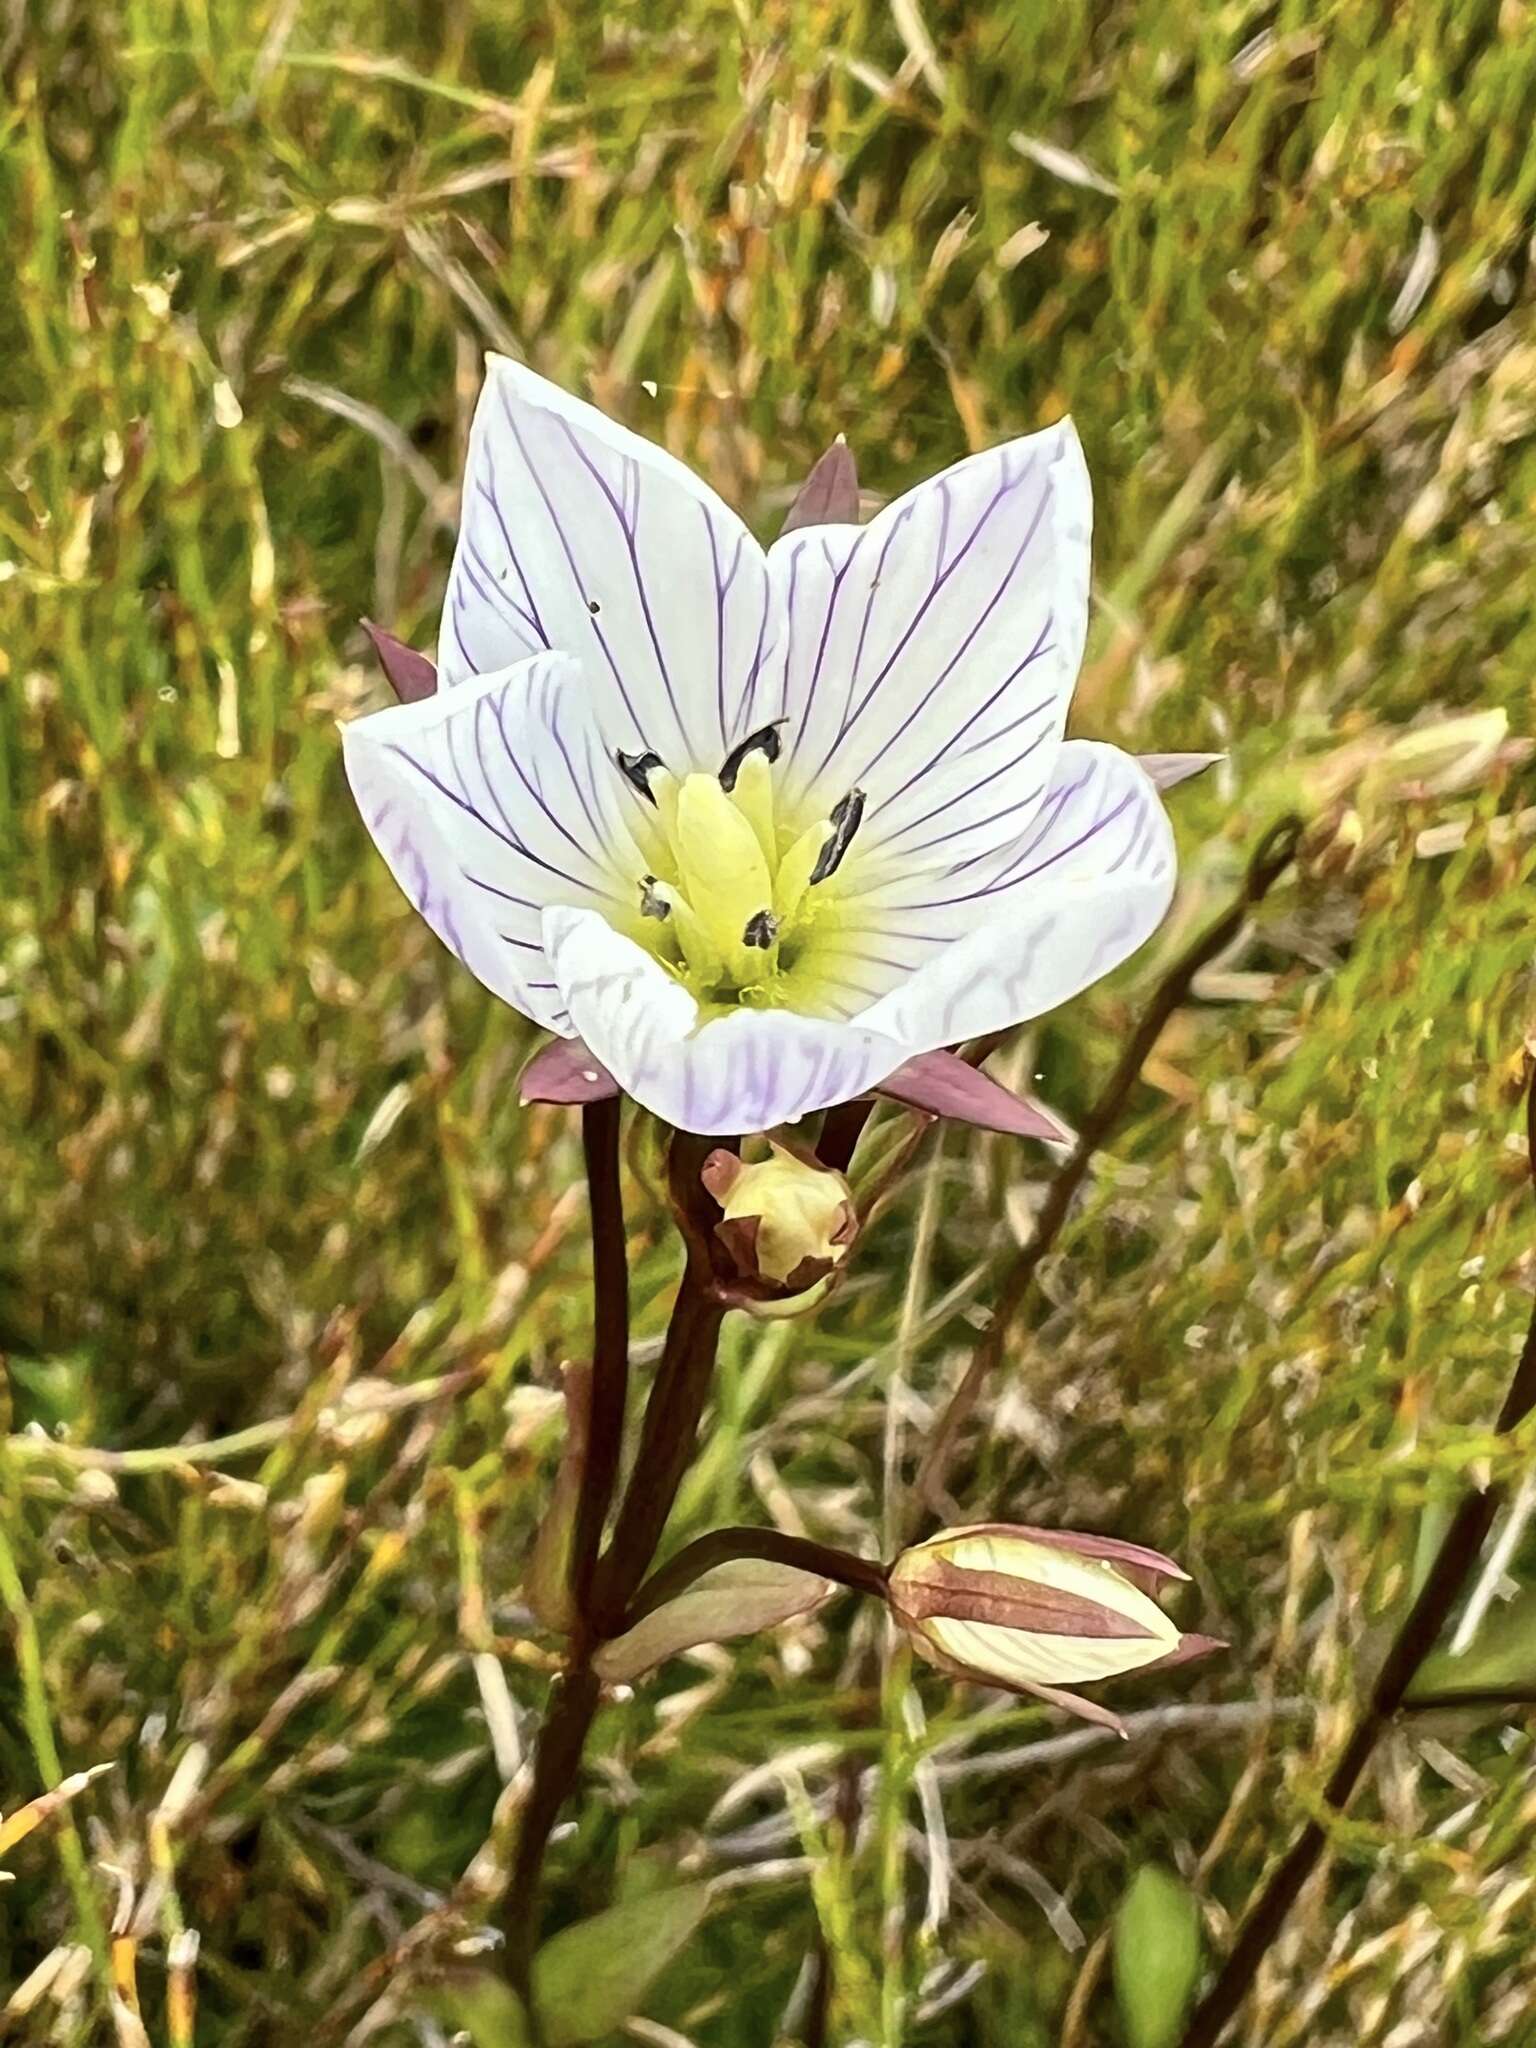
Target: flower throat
732,899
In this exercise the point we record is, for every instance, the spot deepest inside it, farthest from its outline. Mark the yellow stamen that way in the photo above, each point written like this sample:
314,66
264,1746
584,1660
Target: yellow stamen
794,876
753,795
727,903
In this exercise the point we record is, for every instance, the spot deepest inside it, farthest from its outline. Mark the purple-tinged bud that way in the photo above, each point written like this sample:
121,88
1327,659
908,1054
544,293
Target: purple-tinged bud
1036,1609
787,1225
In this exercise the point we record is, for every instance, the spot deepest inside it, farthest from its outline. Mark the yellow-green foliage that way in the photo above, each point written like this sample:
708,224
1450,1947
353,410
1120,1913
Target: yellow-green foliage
263,1174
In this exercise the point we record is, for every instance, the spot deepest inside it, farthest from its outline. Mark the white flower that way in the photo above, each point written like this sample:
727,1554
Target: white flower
759,827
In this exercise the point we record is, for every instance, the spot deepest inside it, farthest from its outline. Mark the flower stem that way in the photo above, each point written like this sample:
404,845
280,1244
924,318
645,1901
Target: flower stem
610,1345
667,1439
604,1586
1453,1566
724,1546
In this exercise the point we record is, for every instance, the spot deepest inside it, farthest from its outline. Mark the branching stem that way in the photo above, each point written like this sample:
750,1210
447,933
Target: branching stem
604,1586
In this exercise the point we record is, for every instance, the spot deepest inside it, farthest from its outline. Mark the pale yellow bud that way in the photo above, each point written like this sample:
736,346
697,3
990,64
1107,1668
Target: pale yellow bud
788,1221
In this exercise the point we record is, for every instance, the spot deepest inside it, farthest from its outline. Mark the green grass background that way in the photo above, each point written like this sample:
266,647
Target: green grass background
262,1170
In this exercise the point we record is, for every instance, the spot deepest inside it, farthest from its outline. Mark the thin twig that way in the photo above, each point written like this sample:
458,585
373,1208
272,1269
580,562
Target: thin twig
1419,1631
1272,856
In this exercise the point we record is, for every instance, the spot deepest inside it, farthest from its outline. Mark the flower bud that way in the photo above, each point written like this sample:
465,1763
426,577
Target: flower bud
787,1225
1034,1609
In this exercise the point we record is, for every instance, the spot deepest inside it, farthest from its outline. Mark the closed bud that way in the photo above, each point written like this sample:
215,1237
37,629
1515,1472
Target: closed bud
786,1226
1038,1609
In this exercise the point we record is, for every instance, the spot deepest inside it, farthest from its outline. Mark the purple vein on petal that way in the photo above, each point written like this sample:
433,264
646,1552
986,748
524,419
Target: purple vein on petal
629,526
839,575
1005,487
576,576
487,490
1036,653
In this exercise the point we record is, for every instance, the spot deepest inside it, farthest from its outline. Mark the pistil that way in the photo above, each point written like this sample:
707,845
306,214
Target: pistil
727,904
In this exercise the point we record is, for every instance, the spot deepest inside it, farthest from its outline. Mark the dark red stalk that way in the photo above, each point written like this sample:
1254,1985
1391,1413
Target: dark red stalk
1455,1561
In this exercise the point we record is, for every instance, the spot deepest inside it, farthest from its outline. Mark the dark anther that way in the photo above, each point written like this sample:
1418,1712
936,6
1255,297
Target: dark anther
846,814
638,769
765,742
593,606
652,904
762,929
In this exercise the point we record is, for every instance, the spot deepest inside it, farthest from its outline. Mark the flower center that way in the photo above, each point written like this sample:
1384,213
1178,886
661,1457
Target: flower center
731,900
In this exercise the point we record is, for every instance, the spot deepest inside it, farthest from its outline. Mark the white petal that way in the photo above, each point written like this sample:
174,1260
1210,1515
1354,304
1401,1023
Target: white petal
744,1072
1077,893
1020,1658
490,802
577,534
929,657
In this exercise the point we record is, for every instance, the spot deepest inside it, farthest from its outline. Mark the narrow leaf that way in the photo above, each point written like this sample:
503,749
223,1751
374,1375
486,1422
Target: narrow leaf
547,1586
735,1599
1157,1957
594,1976
1501,1657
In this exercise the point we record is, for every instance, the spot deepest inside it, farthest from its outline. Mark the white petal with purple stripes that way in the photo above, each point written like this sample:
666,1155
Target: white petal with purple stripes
760,829
1015,934
490,802
928,658
577,534
744,1072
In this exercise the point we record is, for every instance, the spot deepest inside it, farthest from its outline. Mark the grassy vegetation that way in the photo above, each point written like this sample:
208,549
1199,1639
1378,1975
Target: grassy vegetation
264,1179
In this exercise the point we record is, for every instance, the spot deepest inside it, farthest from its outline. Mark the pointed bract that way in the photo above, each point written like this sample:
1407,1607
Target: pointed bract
943,1084
412,676
1167,771
565,1071
830,494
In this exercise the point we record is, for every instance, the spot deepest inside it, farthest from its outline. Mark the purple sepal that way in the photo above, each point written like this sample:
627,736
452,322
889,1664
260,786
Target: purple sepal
1168,770
564,1071
411,675
942,1084
1134,1559
1189,1648
830,494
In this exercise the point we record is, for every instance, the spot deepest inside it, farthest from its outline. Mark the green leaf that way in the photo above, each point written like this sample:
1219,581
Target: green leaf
483,2006
1157,1957
547,1587
735,1599
1501,1657
592,1977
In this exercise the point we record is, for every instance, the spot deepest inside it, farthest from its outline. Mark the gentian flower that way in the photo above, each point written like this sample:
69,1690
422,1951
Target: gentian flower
753,831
